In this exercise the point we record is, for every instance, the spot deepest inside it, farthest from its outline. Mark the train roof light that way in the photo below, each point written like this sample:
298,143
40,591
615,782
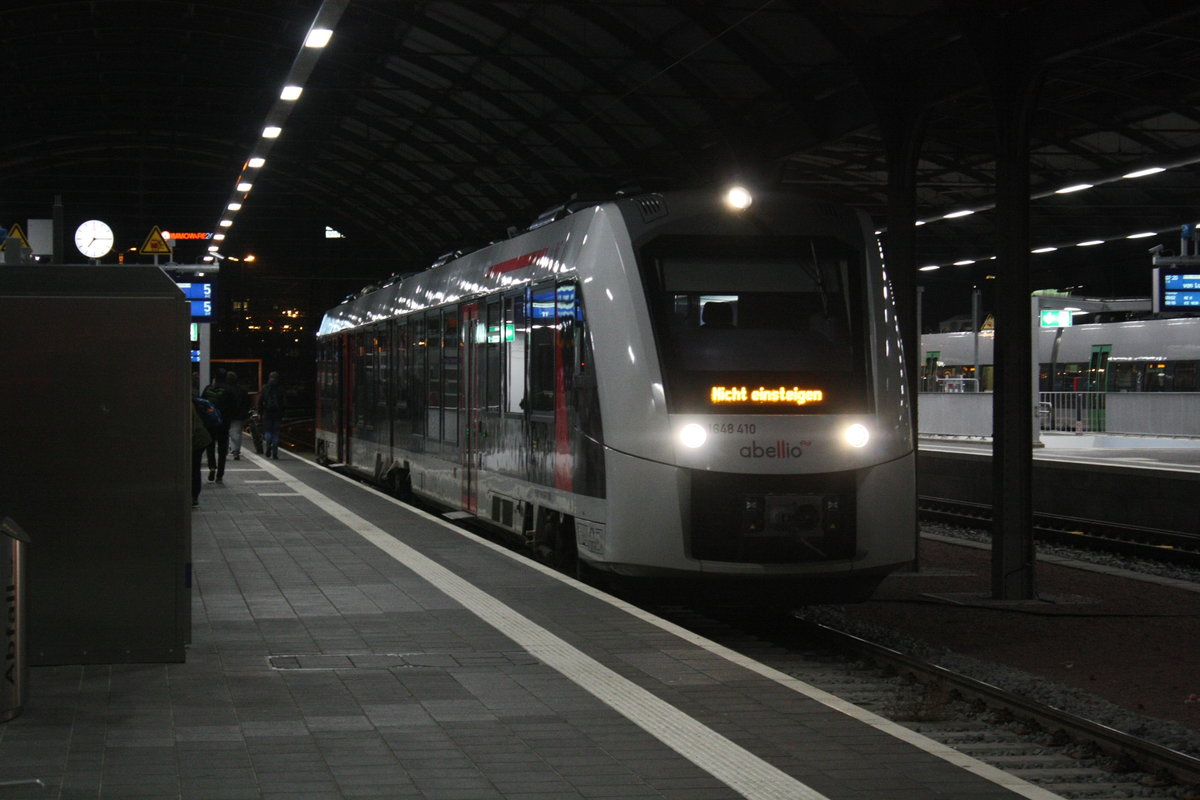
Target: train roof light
738,198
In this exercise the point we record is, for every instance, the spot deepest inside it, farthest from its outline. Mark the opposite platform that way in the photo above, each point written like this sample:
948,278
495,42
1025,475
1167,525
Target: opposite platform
346,645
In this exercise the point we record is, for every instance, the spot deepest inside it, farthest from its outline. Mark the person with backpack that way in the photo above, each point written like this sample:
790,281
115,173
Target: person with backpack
224,399
270,408
201,439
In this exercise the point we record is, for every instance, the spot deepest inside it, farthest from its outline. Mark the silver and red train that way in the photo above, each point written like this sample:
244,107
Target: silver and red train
661,386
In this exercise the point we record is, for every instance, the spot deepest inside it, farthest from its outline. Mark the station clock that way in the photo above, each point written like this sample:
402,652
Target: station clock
94,238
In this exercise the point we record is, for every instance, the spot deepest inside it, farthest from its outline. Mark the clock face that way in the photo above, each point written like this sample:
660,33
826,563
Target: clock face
94,238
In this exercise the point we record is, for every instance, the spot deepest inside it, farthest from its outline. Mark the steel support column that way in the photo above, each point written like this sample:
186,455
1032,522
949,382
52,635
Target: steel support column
1014,83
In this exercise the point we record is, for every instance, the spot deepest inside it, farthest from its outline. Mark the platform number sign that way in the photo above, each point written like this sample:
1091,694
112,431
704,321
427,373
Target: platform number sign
202,297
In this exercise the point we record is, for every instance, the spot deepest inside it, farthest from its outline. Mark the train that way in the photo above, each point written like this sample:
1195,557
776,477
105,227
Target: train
1157,354
674,388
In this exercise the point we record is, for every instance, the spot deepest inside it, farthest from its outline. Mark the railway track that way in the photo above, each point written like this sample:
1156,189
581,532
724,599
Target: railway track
1153,544
1057,751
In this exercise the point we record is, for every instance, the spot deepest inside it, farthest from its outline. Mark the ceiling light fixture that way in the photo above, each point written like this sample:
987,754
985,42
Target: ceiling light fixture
1141,173
1079,187
318,37
320,31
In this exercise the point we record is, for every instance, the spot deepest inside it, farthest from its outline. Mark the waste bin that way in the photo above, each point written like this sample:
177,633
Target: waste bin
14,661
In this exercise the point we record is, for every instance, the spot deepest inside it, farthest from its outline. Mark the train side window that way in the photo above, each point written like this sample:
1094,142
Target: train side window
495,342
401,390
1185,376
542,301
516,321
433,351
451,373
419,364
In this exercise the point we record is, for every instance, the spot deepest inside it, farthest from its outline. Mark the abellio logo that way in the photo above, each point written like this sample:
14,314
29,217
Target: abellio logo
779,449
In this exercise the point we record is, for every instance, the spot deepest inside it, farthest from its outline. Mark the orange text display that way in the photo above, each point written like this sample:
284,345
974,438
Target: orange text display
780,395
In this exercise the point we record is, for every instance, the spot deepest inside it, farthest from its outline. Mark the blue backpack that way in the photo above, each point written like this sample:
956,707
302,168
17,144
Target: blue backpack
208,413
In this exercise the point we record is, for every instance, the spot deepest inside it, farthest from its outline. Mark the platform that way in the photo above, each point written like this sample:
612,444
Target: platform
345,645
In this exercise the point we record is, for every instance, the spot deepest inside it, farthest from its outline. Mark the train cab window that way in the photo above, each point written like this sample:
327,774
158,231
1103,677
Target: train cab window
785,312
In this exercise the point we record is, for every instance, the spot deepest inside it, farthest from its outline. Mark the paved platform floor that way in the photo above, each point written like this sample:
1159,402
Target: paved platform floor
347,646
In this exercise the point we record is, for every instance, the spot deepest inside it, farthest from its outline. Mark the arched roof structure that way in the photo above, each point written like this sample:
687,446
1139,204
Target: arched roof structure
430,125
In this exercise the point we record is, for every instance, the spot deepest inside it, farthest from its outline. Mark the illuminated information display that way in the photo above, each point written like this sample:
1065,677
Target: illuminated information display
1180,290
202,298
764,395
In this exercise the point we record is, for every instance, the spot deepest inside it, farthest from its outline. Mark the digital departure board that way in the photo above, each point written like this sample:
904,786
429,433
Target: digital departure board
1180,289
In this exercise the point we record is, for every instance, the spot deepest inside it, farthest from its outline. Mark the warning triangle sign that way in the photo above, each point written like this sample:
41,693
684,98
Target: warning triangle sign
15,232
155,244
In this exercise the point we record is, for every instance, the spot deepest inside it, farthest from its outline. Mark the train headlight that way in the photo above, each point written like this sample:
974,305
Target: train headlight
857,435
738,198
692,435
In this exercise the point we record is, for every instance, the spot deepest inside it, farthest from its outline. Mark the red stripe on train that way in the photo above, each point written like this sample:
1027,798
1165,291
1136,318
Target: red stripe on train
514,264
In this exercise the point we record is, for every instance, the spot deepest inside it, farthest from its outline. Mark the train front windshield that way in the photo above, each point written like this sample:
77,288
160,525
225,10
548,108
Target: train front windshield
773,329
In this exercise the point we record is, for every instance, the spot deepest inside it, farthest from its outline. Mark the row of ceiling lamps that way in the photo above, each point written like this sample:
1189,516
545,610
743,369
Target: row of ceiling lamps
1078,187
319,34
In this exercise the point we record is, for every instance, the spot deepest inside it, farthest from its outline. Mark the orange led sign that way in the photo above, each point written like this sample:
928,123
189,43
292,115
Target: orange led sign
780,395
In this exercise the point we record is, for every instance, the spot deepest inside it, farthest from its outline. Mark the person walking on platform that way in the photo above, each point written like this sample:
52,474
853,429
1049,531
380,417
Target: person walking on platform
237,417
201,439
270,408
220,395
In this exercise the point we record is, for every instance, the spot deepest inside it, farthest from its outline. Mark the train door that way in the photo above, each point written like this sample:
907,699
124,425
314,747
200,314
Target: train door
330,363
1097,379
471,408
929,374
346,405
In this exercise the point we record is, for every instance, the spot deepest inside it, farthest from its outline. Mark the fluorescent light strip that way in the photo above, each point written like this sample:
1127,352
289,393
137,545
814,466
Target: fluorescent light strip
319,35
1047,249
1079,187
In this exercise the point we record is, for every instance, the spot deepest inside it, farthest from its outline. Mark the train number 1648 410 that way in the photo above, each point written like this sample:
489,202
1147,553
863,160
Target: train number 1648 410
734,427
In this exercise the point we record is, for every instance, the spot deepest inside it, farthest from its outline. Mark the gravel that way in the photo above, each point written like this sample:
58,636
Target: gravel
1167,734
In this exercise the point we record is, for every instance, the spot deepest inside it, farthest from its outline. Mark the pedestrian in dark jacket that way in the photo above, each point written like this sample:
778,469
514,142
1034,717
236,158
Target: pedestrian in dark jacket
237,414
270,408
201,439
220,395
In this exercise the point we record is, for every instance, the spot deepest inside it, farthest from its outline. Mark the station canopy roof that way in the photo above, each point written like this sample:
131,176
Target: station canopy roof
427,126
